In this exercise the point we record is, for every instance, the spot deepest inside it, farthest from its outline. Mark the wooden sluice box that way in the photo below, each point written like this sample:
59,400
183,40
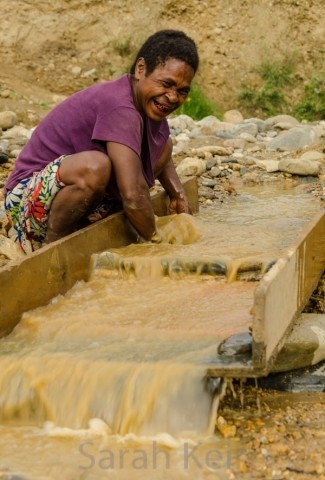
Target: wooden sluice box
279,297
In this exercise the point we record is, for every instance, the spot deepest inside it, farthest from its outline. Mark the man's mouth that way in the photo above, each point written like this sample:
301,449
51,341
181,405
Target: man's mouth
162,108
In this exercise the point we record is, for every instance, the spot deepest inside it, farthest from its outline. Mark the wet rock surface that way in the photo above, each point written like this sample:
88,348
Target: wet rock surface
309,379
236,345
303,348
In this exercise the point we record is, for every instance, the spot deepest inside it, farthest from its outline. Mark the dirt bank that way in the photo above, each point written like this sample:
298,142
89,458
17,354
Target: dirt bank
49,49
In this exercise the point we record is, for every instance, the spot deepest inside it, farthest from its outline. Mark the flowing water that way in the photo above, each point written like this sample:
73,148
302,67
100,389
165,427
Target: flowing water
109,380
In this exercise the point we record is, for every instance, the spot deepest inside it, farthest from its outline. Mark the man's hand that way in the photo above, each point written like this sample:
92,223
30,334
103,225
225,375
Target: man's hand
179,205
156,238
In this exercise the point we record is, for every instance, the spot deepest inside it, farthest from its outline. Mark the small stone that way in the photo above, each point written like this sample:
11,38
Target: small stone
10,249
236,344
248,137
250,128
296,435
236,143
182,137
76,70
269,165
5,93
288,119
14,153
3,158
8,119
213,149
90,73
208,182
243,467
313,155
233,116
228,431
215,171
279,449
17,131
212,162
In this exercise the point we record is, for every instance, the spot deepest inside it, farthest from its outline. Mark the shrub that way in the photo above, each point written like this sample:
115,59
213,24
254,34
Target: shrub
269,96
197,105
312,104
123,47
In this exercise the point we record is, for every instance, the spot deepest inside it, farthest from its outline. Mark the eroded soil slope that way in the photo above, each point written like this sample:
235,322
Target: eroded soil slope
55,48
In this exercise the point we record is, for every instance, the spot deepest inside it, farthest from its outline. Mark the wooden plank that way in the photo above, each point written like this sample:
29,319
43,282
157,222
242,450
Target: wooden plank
284,291
52,270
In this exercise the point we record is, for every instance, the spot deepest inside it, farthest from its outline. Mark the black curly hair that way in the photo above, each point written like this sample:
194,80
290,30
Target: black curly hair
164,45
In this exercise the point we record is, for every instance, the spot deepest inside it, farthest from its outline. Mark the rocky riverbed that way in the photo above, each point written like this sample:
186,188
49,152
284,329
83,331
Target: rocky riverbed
222,154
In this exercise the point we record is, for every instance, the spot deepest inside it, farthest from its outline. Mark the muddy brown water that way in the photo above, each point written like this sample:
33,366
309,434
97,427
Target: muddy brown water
109,380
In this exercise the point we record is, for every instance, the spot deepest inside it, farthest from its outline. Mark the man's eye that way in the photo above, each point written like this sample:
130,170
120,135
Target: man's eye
183,93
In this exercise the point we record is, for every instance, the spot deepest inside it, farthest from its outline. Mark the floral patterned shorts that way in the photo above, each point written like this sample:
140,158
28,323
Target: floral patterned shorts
28,204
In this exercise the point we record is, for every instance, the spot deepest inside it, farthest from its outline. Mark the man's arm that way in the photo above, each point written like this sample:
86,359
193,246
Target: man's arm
170,181
133,188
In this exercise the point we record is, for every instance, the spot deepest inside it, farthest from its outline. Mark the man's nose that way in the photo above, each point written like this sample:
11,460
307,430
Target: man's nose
172,95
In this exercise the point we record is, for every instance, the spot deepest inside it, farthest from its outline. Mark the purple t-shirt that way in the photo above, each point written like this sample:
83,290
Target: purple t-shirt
86,121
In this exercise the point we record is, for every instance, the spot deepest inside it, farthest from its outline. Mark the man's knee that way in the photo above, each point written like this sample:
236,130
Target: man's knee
98,169
87,170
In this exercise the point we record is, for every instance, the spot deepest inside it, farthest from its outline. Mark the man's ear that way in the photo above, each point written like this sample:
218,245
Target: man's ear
140,68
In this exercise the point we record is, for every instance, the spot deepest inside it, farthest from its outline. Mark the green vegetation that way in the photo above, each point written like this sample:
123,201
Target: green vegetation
277,74
312,104
123,47
272,96
43,105
197,105
269,96
16,96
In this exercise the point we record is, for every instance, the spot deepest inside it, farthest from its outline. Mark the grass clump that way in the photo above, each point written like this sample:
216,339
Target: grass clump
269,97
277,74
43,105
197,105
123,47
312,104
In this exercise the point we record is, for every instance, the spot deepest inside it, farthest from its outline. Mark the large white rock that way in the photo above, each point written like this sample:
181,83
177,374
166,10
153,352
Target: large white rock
294,138
10,249
233,116
287,119
297,166
305,346
191,166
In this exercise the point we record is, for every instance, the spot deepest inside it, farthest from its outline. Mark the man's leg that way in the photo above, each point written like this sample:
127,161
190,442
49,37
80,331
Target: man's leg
85,175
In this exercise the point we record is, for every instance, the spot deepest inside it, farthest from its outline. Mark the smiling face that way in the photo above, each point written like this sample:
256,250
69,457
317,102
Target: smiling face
162,91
